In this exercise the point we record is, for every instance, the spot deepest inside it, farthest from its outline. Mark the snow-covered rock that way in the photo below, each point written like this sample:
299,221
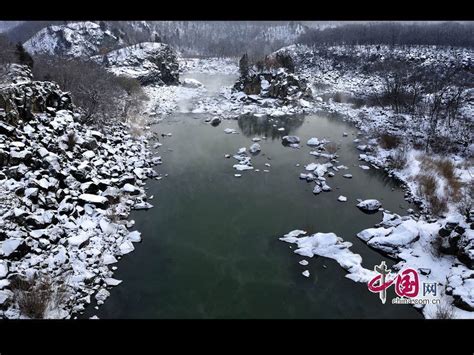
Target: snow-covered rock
78,39
330,246
288,140
369,205
255,148
148,62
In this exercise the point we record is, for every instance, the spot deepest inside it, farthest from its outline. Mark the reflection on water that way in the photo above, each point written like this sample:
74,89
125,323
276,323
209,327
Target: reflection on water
252,126
210,245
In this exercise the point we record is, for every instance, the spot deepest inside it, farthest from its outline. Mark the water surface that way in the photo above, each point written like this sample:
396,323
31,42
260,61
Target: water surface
210,245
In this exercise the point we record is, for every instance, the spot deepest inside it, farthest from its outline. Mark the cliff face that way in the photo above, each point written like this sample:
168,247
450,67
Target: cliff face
149,62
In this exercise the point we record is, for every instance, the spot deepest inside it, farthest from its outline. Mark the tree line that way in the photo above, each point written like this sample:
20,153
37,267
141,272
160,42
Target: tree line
390,33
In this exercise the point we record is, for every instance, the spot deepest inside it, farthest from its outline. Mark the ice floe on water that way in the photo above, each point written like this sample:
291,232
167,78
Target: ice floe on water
329,245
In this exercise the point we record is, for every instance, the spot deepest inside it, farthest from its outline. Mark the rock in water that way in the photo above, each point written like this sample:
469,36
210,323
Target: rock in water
255,148
215,121
313,142
288,140
369,205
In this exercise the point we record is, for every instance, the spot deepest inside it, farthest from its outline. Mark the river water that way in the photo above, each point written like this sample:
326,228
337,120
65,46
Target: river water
210,245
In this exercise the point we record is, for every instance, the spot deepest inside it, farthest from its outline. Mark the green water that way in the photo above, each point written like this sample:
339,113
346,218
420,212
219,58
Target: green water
210,245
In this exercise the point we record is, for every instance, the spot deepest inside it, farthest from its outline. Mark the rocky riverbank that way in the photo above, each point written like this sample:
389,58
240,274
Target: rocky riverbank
66,190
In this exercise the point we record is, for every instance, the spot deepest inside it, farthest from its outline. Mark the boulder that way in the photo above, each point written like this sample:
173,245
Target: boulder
97,200
369,205
255,148
287,140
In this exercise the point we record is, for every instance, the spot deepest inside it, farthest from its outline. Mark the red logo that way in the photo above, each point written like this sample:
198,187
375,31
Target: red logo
407,283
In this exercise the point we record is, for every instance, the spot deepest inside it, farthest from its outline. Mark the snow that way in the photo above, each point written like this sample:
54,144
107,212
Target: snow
312,142
191,83
102,295
311,167
112,282
126,247
255,148
78,239
69,232
10,245
369,205
303,262
3,269
305,273
410,241
90,198
109,259
134,236
241,167
230,131
370,233
79,39
342,198
329,245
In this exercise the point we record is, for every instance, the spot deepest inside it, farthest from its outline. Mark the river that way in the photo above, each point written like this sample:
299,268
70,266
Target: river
210,245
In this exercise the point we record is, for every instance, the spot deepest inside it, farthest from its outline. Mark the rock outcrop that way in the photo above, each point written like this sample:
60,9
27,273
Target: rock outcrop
273,77
26,97
149,62
79,39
